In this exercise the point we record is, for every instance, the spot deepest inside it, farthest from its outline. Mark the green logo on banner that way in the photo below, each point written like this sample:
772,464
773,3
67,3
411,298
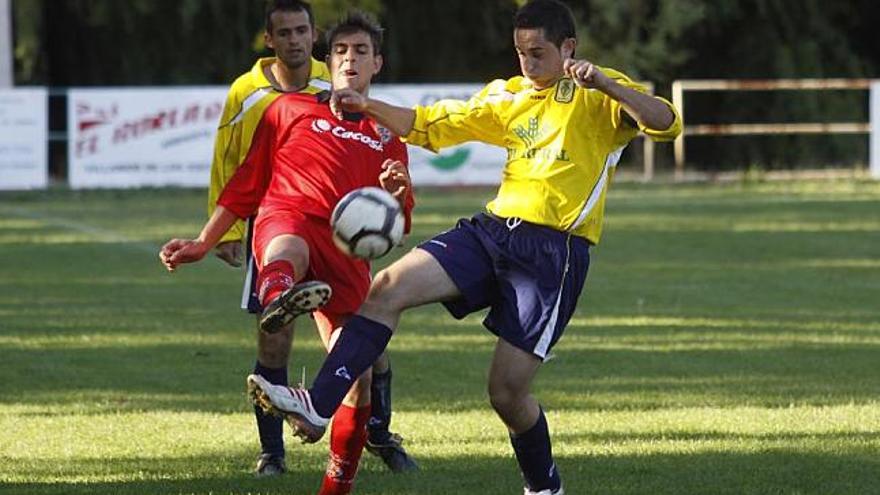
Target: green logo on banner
451,162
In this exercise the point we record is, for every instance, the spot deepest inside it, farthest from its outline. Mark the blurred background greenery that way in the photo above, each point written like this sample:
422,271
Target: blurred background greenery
63,43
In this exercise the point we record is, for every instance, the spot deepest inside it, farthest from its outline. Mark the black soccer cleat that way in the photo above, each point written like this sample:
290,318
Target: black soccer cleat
269,465
393,454
299,299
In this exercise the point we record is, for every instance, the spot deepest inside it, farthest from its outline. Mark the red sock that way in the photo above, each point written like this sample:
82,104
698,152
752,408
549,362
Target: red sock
275,278
347,439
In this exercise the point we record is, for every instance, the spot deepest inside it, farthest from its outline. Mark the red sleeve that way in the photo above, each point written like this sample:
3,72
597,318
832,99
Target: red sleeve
244,191
399,152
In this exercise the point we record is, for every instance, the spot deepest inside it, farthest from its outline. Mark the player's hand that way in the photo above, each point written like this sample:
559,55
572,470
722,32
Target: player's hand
178,251
347,100
395,179
230,252
585,74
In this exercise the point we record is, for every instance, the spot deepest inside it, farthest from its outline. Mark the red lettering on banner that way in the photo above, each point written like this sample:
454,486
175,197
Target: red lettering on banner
213,111
191,114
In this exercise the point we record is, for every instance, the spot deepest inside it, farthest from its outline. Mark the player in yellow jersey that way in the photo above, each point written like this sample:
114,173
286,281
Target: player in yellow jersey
290,33
564,123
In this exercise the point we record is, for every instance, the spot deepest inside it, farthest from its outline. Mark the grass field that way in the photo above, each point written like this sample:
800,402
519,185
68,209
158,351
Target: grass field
728,341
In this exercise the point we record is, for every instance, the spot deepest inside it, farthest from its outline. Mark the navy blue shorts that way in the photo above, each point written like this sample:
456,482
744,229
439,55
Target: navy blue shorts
530,276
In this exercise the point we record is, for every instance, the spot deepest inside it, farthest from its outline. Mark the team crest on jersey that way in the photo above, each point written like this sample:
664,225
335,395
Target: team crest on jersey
564,91
384,134
530,135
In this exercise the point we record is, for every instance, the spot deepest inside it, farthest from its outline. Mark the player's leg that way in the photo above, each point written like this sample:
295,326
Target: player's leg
285,262
348,433
270,428
544,272
454,267
414,280
380,440
510,379
380,400
273,352
283,259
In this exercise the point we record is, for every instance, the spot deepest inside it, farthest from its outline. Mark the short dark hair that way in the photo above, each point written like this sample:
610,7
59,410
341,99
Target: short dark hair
354,22
553,16
273,6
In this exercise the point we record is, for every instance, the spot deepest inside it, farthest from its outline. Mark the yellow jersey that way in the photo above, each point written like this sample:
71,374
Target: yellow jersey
563,144
246,101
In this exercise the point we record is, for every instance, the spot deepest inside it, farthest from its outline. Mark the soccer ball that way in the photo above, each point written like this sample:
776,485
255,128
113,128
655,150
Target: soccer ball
367,223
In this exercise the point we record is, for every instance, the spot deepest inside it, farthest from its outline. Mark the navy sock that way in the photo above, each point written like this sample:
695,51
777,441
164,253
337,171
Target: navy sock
360,343
271,428
380,412
535,457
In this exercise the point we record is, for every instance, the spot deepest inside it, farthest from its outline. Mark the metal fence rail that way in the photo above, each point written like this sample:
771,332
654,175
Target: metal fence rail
738,129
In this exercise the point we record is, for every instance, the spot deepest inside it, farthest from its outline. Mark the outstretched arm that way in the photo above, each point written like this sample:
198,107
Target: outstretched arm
398,120
178,251
645,109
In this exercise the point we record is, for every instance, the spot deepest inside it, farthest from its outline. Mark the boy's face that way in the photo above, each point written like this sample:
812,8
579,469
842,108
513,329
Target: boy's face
539,59
352,62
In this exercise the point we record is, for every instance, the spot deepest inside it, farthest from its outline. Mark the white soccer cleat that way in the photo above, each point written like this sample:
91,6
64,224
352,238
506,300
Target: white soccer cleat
293,404
526,491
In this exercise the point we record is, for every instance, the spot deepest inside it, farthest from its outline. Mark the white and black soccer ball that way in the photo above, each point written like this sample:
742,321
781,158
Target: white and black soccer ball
367,223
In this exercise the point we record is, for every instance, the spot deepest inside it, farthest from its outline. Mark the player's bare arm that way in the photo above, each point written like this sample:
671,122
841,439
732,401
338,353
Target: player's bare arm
645,109
395,179
398,120
179,251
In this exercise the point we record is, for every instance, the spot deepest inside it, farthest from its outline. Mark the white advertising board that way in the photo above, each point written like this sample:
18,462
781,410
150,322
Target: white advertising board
875,130
23,132
466,164
134,137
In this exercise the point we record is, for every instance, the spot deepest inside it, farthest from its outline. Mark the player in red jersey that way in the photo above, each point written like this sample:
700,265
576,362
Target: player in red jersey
302,160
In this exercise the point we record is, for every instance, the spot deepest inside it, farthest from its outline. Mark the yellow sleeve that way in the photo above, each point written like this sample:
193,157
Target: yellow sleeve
227,150
667,134
671,132
451,122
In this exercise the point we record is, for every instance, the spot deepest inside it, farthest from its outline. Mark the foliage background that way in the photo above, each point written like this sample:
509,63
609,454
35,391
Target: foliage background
145,42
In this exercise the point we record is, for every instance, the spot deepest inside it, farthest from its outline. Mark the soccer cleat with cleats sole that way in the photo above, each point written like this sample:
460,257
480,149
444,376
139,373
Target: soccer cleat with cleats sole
300,299
292,404
393,454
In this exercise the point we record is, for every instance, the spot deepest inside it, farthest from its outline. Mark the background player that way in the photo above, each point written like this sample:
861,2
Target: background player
564,124
290,33
301,162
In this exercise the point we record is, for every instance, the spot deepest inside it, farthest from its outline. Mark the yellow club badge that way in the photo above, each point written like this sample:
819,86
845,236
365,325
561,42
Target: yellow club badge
564,90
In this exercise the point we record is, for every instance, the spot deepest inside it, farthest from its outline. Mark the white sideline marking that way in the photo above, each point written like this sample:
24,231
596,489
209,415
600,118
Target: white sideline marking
101,235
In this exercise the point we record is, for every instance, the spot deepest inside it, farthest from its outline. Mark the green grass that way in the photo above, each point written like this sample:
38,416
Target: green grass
728,341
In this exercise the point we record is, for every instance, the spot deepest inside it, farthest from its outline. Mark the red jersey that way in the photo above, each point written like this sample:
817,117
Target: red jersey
305,159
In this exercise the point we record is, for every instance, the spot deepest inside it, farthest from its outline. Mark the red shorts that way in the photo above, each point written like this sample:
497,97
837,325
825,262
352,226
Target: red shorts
348,277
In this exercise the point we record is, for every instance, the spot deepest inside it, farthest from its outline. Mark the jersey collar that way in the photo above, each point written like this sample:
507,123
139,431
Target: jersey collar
324,97
318,71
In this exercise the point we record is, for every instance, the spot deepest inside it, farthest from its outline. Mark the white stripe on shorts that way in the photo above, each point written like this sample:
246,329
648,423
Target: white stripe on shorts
543,344
249,276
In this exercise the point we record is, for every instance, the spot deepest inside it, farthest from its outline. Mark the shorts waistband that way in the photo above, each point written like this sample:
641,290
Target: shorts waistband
508,221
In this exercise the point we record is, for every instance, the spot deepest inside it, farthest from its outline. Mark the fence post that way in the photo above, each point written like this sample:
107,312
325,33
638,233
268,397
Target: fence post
678,101
874,150
648,147
6,74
